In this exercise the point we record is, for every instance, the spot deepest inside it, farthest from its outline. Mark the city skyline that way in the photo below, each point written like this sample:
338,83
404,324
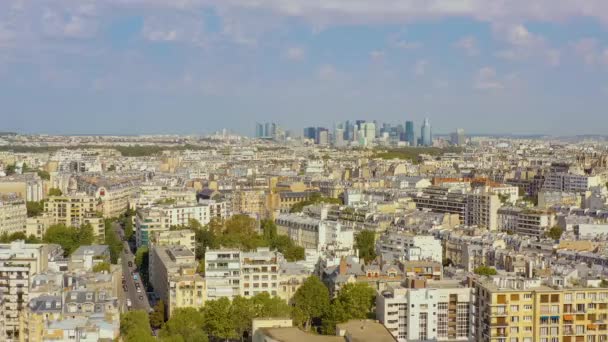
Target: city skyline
198,66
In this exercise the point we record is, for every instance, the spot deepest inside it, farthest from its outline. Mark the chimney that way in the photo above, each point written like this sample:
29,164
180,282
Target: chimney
343,267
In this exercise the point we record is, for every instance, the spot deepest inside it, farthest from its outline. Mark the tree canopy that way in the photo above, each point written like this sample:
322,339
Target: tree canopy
555,233
315,198
69,238
184,325
34,208
485,270
135,327
101,267
365,242
311,301
55,192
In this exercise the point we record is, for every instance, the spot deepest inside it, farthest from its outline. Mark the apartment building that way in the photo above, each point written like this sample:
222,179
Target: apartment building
473,209
570,182
529,222
314,233
173,276
223,273
74,210
260,272
510,309
18,263
421,311
183,237
70,210
114,193
13,214
150,221
402,246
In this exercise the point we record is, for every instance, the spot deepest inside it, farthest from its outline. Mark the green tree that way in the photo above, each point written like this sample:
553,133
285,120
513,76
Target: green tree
112,240
310,301
186,325
101,267
242,312
358,300
485,270
157,317
365,242
69,238
555,233
128,229
217,319
111,168
34,208
142,260
44,175
55,192
135,327
10,170
335,314
269,306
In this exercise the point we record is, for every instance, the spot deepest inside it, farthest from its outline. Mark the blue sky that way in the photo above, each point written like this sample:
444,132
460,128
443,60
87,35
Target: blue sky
195,66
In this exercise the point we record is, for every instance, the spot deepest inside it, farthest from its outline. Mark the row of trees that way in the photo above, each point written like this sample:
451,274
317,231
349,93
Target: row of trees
240,231
7,238
69,238
315,198
223,319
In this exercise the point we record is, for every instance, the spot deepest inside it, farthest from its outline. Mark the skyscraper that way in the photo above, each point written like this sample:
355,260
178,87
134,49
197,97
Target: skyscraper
259,130
426,133
310,133
458,138
410,133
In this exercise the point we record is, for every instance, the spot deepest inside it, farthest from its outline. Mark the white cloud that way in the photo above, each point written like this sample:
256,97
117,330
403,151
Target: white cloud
327,72
524,45
67,25
162,29
295,53
590,51
420,67
486,79
467,44
377,55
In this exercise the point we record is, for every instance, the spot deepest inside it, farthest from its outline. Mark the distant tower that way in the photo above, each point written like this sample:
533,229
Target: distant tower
426,133
259,130
410,133
458,138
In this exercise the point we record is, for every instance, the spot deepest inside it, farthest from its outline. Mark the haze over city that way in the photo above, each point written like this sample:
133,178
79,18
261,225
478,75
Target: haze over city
164,66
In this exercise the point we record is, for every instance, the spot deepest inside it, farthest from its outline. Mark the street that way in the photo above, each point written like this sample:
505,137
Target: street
131,292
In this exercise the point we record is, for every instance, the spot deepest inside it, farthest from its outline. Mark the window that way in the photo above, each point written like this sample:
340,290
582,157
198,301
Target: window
514,308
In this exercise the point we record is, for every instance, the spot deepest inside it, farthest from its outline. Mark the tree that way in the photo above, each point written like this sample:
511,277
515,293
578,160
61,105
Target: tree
44,175
101,267
217,319
242,312
34,208
111,168
7,238
310,301
357,299
555,233
185,323
69,238
268,306
128,229
334,315
365,242
142,260
135,327
157,317
10,170
55,192
112,240
485,270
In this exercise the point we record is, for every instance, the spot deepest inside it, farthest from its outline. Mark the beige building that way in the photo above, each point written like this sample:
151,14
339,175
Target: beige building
13,214
509,309
37,226
173,276
183,237
260,272
75,210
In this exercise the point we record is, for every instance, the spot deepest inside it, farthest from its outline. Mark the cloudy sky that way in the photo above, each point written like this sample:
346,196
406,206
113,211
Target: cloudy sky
194,66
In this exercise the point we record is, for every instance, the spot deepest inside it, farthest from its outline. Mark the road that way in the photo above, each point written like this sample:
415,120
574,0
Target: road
131,293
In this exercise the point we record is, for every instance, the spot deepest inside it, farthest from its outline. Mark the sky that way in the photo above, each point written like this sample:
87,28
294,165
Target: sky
196,66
